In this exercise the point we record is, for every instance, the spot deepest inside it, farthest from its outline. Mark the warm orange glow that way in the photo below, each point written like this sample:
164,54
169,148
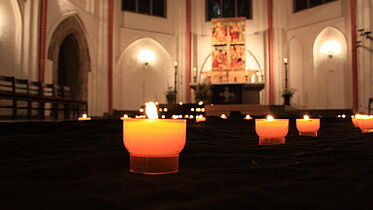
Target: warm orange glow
175,63
154,144
84,117
248,117
124,117
200,118
223,116
308,126
141,110
192,109
198,109
191,117
200,103
203,110
365,123
165,110
151,110
180,103
271,131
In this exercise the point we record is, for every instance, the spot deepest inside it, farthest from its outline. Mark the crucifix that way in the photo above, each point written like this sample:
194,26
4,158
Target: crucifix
226,94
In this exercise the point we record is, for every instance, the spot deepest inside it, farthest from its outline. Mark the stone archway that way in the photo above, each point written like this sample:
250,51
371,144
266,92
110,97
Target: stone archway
71,30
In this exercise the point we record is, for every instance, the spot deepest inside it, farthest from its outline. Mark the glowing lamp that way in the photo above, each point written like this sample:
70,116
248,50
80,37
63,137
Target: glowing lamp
330,48
307,126
84,117
154,144
271,131
146,57
355,119
200,103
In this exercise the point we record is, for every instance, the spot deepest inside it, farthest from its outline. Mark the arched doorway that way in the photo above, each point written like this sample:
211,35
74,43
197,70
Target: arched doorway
68,49
68,65
331,86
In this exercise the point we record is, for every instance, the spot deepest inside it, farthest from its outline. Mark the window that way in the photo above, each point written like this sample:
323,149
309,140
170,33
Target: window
148,7
306,4
228,8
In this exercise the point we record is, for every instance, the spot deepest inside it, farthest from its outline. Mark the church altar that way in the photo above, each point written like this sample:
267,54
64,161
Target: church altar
235,93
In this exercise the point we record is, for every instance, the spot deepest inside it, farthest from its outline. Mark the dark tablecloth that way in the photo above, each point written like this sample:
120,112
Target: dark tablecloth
84,165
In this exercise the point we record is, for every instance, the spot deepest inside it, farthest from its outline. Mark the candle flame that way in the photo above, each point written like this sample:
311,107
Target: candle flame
151,110
270,118
247,117
200,103
125,116
306,117
84,116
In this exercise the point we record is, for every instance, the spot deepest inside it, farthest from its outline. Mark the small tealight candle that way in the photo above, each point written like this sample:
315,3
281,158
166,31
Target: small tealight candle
365,123
84,117
200,118
248,117
271,131
307,126
223,116
124,117
154,144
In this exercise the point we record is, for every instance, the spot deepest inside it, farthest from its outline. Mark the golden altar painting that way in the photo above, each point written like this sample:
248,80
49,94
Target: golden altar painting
228,44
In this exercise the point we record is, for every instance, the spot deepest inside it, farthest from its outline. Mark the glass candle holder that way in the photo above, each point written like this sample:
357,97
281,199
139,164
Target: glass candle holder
154,144
271,131
308,126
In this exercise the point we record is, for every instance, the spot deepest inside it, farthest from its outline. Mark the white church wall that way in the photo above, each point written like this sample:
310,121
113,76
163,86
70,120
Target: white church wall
162,37
330,71
93,17
365,54
296,78
137,83
10,39
319,72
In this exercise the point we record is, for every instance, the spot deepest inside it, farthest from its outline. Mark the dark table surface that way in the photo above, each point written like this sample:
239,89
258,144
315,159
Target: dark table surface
84,165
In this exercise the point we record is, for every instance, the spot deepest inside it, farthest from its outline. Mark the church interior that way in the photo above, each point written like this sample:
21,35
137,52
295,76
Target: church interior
178,104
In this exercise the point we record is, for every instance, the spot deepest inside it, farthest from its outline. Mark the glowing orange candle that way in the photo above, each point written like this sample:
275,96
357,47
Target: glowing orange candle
154,144
200,118
248,117
307,126
84,117
124,117
271,131
365,123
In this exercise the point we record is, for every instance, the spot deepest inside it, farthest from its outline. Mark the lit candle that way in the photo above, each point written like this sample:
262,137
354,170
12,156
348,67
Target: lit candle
154,144
271,131
307,126
248,117
124,117
223,116
200,118
84,117
365,123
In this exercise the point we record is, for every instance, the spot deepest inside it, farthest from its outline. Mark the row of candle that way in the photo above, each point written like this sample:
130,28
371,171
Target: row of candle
154,144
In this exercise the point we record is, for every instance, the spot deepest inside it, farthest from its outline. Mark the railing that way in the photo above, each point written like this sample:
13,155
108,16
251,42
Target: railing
22,98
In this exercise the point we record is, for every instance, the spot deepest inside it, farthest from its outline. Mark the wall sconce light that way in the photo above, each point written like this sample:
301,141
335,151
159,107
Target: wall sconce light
146,57
330,49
